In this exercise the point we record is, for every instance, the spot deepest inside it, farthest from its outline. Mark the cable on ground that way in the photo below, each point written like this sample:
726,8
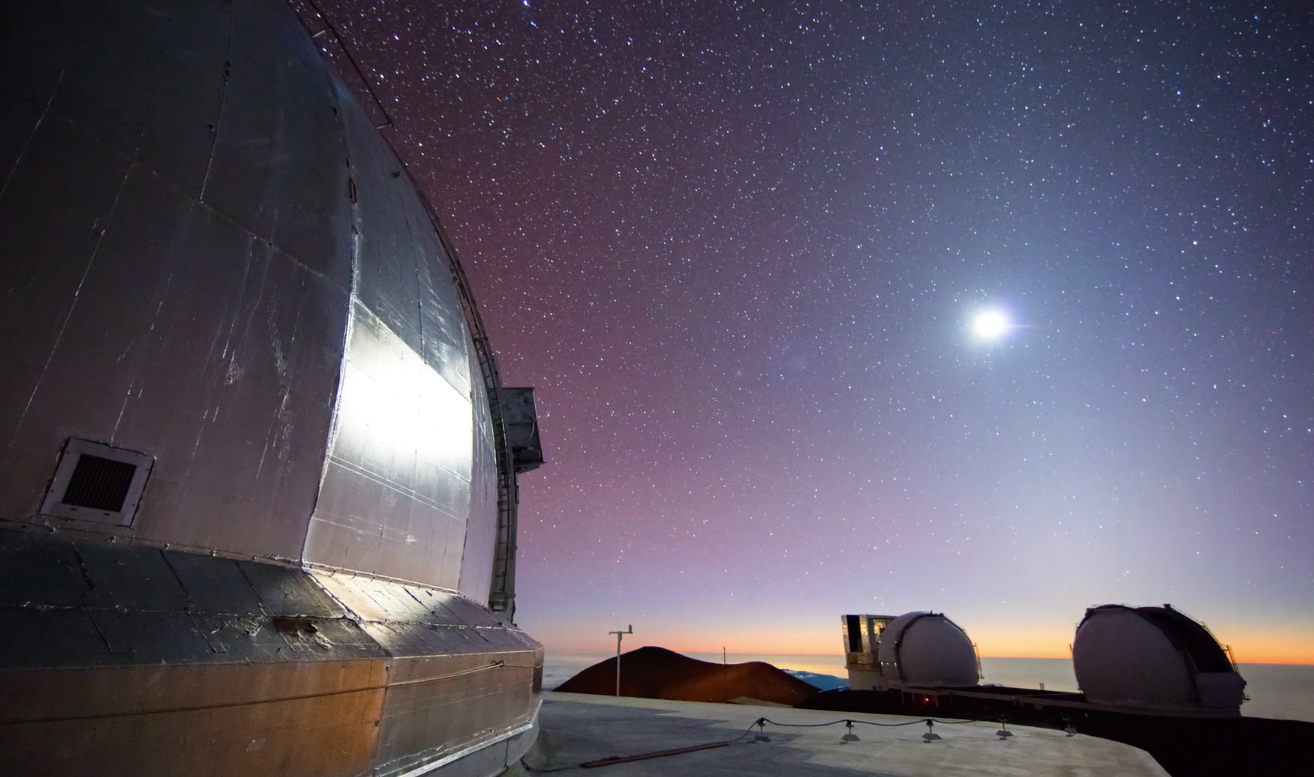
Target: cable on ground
620,759
914,722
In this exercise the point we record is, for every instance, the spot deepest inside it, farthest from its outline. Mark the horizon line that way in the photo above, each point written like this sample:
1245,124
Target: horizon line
840,656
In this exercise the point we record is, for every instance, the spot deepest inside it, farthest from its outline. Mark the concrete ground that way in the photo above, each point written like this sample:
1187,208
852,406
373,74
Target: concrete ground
578,728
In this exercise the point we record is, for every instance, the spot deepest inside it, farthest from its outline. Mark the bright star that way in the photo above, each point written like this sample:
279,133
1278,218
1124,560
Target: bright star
990,324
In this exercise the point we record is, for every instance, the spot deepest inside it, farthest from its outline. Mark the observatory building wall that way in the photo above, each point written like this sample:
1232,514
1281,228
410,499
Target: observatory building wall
251,490
208,257
176,268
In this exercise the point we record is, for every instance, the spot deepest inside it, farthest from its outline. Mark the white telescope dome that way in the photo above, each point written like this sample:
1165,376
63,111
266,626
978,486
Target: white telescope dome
926,649
1152,657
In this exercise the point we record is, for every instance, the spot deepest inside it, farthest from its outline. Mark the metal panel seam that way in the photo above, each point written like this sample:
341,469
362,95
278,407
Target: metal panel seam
223,102
86,271
275,700
35,128
422,770
311,566
353,299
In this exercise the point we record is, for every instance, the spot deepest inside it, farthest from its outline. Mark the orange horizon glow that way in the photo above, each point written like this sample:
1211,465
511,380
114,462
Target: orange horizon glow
1248,647
1269,655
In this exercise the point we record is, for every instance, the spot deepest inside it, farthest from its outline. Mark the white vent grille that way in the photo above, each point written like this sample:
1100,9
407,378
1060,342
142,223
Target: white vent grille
96,482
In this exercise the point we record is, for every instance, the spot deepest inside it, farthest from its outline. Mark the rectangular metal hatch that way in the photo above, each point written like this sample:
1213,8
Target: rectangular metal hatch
520,419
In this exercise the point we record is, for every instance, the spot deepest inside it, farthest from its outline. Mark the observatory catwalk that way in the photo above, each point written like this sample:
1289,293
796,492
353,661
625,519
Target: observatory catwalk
257,467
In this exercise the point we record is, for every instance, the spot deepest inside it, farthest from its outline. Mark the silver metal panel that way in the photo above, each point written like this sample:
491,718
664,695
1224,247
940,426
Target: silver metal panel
49,573
279,134
88,368
450,684
30,77
466,611
146,78
233,638
436,605
396,491
372,599
151,637
135,314
112,47
289,592
238,454
192,190
257,457
214,585
126,578
410,639
290,719
209,256
63,187
128,604
425,721
481,528
405,277
186,90
39,638
459,673
444,335
411,620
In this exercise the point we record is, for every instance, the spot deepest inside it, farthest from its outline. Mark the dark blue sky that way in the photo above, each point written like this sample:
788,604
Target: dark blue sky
737,248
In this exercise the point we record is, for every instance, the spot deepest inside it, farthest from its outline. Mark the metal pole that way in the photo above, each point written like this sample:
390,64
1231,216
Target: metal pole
619,635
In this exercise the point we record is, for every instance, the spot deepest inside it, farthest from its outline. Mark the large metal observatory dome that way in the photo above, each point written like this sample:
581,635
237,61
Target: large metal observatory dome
1154,658
927,650
257,467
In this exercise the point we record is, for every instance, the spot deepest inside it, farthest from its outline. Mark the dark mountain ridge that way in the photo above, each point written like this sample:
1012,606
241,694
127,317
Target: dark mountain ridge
658,673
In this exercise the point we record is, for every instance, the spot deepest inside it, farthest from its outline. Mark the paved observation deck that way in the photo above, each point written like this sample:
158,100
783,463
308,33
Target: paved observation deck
578,729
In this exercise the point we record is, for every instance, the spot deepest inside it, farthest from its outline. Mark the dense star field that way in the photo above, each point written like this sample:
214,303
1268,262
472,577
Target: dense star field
740,250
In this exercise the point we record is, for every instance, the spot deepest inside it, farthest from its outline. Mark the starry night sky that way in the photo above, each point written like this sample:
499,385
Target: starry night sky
737,249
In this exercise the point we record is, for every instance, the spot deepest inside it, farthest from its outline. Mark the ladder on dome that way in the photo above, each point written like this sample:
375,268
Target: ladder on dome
501,594
502,589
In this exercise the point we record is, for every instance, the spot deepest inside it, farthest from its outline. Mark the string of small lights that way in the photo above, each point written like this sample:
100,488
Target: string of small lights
760,736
